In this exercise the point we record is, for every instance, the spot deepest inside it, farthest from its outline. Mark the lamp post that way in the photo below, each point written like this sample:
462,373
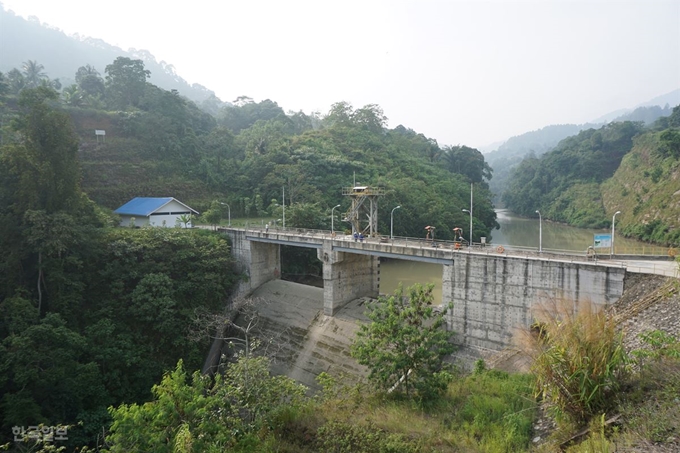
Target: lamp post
611,252
540,232
333,219
392,222
469,212
228,211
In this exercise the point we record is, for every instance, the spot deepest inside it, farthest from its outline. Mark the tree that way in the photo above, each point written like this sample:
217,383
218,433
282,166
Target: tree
45,374
196,415
212,217
370,116
84,72
4,86
126,81
340,114
41,194
467,161
404,345
16,81
33,73
72,96
46,162
89,81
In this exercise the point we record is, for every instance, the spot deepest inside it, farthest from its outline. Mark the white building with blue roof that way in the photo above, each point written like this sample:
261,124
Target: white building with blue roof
159,212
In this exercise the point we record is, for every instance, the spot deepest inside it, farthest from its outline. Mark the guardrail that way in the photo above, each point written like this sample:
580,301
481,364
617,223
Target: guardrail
461,247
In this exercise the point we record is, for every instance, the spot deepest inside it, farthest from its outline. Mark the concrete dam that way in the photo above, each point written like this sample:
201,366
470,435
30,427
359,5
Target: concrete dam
491,293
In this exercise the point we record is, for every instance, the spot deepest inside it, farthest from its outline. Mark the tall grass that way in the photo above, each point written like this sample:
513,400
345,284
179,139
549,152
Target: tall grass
579,359
488,411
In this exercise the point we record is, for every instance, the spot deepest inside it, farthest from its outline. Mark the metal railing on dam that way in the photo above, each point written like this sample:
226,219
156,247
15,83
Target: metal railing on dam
397,248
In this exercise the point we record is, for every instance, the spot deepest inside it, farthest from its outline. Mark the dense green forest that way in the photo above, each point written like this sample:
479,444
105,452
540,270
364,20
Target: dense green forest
91,316
623,166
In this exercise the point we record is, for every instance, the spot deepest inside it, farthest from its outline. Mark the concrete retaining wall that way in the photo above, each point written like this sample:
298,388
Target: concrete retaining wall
260,261
492,296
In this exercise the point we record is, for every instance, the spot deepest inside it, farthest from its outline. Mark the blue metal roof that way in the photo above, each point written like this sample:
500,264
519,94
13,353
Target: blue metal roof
144,206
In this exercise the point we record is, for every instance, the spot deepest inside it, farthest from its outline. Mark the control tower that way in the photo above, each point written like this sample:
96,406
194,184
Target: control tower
363,214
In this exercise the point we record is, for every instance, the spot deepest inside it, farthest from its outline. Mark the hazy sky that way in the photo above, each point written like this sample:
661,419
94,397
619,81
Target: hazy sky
461,72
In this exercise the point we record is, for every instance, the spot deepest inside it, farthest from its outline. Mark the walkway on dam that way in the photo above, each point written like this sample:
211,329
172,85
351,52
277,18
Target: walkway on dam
645,264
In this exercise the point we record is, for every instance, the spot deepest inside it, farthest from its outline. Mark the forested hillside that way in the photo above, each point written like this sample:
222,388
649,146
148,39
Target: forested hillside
158,143
508,156
623,166
94,318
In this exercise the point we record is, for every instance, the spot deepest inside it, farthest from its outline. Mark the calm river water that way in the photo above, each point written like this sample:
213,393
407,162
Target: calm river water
515,231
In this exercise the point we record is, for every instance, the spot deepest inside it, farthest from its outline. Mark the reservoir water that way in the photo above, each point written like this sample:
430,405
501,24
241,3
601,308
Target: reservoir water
522,232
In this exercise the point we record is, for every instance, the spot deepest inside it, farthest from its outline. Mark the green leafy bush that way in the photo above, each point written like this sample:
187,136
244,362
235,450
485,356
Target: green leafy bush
405,343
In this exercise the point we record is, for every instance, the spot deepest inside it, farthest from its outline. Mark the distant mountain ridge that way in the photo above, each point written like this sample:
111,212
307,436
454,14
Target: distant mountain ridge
61,55
543,139
509,154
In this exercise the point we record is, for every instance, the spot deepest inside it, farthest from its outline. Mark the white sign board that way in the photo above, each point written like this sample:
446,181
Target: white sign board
99,132
602,241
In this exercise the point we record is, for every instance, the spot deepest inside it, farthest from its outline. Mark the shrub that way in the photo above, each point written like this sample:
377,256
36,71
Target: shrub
405,343
339,437
579,360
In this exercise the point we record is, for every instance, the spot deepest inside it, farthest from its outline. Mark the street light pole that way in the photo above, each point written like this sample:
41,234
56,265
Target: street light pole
283,200
611,252
540,232
392,222
469,212
228,211
333,219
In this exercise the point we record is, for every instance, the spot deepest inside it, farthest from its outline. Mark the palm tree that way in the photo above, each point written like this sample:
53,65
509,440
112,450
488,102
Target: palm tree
33,72
72,95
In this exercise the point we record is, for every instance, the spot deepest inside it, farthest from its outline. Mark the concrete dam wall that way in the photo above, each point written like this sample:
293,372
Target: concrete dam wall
492,294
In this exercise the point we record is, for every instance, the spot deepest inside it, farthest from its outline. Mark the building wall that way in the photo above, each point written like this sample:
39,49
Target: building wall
167,221
127,220
168,216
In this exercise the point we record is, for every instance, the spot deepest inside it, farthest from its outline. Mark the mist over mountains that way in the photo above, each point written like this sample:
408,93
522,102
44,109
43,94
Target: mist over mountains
62,55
